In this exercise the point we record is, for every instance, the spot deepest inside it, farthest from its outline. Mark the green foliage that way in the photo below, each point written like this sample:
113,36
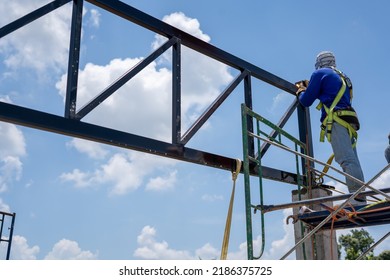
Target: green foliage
385,255
356,243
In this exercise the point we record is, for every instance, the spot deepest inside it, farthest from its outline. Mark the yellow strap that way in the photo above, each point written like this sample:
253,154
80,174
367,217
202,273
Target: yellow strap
326,127
339,95
330,115
326,168
341,74
352,132
328,121
226,235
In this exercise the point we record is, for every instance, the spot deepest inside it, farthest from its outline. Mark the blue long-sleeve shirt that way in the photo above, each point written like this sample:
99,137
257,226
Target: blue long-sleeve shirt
324,85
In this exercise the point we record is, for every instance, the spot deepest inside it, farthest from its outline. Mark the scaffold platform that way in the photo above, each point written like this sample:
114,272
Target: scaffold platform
350,217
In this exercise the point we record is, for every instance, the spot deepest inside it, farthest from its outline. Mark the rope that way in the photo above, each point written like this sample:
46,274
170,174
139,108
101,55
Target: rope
350,215
226,235
340,214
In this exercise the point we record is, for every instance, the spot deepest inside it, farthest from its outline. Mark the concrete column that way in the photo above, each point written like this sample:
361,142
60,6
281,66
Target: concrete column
321,245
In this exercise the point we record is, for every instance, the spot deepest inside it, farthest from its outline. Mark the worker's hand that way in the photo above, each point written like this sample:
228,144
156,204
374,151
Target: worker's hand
301,86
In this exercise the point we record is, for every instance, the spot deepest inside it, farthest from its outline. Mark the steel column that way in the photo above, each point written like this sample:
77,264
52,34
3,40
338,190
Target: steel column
176,93
74,57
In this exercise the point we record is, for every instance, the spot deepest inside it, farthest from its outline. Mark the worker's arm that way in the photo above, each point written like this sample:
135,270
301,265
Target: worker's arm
308,96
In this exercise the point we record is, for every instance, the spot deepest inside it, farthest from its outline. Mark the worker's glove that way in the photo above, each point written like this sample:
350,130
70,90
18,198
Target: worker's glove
301,86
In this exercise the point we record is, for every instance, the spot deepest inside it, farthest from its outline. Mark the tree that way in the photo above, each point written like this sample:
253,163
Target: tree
385,255
357,243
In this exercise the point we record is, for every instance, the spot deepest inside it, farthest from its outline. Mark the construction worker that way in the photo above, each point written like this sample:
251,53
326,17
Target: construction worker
339,121
387,151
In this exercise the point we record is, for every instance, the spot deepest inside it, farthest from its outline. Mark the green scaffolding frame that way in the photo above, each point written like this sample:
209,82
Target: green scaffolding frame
252,133
250,159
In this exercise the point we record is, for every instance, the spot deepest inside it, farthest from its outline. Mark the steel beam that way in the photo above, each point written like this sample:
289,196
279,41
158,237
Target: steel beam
48,122
30,17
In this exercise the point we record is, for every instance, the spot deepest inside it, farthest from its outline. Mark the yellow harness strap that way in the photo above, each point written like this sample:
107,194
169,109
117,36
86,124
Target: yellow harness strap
226,235
328,121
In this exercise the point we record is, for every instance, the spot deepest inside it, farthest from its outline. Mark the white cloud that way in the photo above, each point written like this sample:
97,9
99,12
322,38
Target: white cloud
383,181
162,183
241,254
20,249
79,178
280,102
150,248
47,37
94,18
154,250
10,170
4,207
189,25
115,169
63,250
207,252
134,165
69,250
278,247
12,142
93,149
211,197
12,148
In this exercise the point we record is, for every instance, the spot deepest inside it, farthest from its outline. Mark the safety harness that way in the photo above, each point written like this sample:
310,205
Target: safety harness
345,117
342,117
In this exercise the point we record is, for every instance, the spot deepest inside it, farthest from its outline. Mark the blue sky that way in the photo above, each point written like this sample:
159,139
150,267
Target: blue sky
81,200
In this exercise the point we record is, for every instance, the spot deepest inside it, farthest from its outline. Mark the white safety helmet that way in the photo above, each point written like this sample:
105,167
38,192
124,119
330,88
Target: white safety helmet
325,59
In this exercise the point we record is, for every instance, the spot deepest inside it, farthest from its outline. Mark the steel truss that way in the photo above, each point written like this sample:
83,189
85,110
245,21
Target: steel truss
71,125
